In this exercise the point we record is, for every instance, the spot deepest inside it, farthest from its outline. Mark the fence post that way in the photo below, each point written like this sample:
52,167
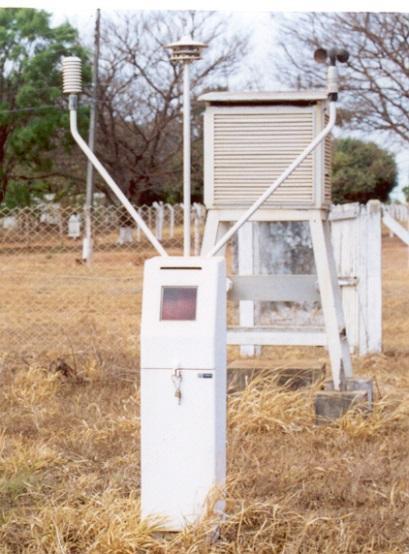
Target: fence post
345,238
149,208
197,217
372,268
171,220
159,219
138,229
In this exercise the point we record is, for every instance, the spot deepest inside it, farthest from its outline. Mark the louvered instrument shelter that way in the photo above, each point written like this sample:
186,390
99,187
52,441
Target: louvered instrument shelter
251,138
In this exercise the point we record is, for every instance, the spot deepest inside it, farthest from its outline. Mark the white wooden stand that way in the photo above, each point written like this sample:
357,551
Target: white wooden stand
249,288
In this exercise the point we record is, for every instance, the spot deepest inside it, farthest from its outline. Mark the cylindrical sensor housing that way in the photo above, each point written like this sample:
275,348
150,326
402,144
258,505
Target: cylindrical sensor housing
72,81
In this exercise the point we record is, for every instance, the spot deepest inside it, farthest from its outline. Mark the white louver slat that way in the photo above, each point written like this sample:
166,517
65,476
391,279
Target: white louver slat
248,148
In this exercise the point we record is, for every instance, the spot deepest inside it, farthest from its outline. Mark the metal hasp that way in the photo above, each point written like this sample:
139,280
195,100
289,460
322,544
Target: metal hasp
186,51
72,85
250,140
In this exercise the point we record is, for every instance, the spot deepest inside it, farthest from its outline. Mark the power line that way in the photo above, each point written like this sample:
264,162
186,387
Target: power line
30,109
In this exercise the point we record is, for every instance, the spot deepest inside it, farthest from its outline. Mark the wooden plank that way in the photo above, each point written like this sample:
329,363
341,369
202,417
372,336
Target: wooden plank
331,301
339,215
306,336
374,277
396,228
245,267
276,288
277,364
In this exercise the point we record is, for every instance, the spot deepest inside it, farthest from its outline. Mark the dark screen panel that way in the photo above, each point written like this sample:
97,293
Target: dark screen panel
178,303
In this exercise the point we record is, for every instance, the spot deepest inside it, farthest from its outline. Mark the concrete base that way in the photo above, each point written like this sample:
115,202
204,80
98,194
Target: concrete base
331,405
242,372
355,384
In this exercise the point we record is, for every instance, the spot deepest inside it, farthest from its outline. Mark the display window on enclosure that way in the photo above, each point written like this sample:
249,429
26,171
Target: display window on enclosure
178,303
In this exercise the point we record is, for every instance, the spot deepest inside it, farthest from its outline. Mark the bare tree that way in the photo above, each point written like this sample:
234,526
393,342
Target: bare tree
141,94
377,90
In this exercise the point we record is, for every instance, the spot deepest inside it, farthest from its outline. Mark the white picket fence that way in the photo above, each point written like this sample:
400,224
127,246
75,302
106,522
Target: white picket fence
357,242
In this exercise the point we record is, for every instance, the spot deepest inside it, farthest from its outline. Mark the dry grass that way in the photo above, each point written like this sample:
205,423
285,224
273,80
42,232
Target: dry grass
69,459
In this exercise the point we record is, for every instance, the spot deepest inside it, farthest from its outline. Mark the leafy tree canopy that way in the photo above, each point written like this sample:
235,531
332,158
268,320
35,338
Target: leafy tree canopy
362,171
31,118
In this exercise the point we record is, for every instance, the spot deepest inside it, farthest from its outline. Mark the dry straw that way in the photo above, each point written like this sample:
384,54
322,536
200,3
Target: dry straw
69,459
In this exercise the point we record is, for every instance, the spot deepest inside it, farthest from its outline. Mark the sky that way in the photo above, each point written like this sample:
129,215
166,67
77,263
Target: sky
258,19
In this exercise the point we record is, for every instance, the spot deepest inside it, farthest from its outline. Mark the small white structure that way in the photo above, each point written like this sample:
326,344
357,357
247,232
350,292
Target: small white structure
183,388
9,222
74,226
125,235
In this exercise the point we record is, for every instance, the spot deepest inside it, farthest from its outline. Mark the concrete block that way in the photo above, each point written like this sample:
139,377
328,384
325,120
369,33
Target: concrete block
355,384
331,405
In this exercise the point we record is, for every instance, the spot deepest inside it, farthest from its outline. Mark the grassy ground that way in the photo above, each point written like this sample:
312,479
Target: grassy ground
69,457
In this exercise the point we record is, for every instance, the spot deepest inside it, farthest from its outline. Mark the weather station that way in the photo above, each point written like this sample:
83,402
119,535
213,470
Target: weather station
184,336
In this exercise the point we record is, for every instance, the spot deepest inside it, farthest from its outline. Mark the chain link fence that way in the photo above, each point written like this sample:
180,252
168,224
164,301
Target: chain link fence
53,304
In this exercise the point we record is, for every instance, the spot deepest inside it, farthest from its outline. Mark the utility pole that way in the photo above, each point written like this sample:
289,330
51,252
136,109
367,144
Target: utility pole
87,243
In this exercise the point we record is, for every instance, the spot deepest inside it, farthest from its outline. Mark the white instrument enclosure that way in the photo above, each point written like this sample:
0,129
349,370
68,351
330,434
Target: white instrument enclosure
191,344
183,441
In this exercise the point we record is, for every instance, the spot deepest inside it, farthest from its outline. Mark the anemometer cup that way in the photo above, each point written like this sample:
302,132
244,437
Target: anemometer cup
334,55
331,57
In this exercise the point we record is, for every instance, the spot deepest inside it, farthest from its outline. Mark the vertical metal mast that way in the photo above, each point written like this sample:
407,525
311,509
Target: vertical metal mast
186,161
185,51
87,250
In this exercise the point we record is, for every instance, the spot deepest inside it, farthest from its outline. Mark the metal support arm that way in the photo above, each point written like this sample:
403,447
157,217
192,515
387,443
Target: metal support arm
108,179
268,192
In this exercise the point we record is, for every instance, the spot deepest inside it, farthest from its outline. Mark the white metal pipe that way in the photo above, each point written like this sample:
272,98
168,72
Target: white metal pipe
186,160
268,192
91,143
108,179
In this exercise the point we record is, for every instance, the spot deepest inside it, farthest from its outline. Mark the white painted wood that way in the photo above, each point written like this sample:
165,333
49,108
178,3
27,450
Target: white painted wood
254,97
396,228
210,231
374,277
159,218
277,288
267,214
356,234
215,228
171,211
245,267
276,336
345,243
356,239
249,146
125,235
197,221
138,229
74,226
346,211
331,301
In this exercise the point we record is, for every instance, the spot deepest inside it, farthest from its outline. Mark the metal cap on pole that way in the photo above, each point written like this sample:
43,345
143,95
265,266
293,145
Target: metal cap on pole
186,51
